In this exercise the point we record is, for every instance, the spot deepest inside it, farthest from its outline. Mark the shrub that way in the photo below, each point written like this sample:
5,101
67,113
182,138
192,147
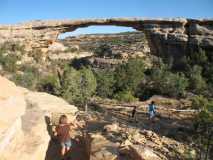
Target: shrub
11,46
8,62
174,84
37,55
105,83
129,75
78,85
103,50
199,57
162,81
88,84
197,82
28,78
203,138
49,84
199,102
70,86
71,49
9,57
125,96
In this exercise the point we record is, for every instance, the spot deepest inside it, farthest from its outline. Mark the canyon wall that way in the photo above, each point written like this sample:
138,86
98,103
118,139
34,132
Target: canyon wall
173,36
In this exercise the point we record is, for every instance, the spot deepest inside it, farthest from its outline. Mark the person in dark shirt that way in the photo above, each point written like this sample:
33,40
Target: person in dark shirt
63,133
134,114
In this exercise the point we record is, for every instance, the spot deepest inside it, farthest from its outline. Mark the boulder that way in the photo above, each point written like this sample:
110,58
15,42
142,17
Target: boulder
25,117
103,149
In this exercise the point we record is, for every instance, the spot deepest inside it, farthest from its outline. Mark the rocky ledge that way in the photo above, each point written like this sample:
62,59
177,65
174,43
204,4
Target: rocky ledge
24,121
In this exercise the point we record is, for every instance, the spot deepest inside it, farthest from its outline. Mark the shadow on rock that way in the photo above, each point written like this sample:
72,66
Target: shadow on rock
53,151
79,150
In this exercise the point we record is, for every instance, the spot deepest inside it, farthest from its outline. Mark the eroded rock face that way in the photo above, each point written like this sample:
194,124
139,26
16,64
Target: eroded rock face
24,121
165,36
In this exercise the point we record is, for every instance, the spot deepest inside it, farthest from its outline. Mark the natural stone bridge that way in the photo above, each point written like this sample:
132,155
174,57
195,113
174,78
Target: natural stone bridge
165,36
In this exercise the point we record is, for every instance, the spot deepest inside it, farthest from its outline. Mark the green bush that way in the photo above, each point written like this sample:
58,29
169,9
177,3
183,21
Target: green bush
78,85
199,102
198,58
125,96
129,75
103,50
174,84
88,84
162,81
28,78
9,57
197,82
37,55
49,84
105,83
11,46
8,62
70,49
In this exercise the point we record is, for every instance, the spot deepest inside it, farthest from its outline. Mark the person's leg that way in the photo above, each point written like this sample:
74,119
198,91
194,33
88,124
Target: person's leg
67,149
63,149
135,118
68,146
151,115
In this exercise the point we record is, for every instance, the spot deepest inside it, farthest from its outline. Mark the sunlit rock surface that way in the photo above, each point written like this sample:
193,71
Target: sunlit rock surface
23,121
165,36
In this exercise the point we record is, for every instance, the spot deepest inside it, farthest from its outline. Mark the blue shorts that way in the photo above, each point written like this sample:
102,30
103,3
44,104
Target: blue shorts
67,144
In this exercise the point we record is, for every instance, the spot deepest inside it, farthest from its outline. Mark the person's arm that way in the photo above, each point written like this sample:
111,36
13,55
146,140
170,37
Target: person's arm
55,131
75,125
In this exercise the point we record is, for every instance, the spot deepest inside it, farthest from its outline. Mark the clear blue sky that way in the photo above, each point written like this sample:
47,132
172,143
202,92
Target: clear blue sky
14,11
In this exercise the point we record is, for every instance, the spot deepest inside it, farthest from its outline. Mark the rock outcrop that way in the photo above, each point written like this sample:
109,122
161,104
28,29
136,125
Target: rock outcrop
165,36
24,118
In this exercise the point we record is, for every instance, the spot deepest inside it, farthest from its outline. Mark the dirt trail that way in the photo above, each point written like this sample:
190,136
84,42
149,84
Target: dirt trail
164,125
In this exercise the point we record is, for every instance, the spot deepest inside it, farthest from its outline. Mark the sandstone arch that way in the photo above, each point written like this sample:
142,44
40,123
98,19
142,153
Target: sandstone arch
165,36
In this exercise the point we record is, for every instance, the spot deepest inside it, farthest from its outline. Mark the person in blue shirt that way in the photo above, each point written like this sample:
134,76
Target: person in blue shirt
152,110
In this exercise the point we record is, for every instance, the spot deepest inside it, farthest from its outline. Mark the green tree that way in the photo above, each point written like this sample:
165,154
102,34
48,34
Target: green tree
174,84
10,53
105,83
125,96
203,123
199,57
199,102
78,85
103,50
129,75
163,81
27,79
88,84
197,82
8,62
49,84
